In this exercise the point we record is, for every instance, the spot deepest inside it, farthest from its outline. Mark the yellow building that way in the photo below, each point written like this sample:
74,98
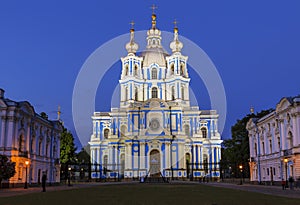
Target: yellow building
30,140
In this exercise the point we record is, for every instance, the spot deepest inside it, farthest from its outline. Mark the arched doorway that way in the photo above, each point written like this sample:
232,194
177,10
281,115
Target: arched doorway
122,159
155,163
187,161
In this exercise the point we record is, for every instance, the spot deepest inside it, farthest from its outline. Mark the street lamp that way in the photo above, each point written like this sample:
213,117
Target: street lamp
69,176
172,172
241,170
286,179
26,184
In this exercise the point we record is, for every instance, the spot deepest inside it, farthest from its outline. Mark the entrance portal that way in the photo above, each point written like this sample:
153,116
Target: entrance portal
154,163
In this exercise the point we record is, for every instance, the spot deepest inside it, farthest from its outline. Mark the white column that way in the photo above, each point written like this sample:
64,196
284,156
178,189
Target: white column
27,138
199,156
10,132
142,156
194,156
3,131
167,156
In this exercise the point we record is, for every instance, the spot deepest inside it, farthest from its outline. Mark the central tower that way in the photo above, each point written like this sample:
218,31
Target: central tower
154,74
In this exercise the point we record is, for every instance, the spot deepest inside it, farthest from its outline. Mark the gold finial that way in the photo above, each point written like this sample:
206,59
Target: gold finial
175,25
153,7
58,113
132,26
252,110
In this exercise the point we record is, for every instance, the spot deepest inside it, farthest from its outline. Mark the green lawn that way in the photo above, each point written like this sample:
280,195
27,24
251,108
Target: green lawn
148,194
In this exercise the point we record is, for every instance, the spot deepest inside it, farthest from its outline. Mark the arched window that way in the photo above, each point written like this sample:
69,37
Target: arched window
32,144
173,92
126,69
54,151
290,138
182,93
40,146
187,130
182,69
204,132
136,94
21,143
172,69
126,93
270,146
154,73
46,151
123,130
105,161
205,163
106,132
288,118
154,92
278,143
135,70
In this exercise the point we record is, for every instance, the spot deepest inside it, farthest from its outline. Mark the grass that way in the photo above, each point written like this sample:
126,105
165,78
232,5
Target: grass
148,194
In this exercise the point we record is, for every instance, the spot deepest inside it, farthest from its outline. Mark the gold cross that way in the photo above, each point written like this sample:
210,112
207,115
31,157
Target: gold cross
153,7
175,23
132,24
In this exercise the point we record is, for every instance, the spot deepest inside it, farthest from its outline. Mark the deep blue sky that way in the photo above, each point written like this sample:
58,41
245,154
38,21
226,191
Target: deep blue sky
254,45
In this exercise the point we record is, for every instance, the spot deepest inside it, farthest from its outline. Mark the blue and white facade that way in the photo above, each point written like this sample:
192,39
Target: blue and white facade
155,131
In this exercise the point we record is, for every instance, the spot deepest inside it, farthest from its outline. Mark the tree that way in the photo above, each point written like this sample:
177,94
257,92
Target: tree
235,151
67,147
7,168
84,156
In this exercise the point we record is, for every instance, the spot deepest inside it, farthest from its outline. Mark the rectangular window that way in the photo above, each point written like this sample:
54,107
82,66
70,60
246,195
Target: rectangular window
274,171
268,172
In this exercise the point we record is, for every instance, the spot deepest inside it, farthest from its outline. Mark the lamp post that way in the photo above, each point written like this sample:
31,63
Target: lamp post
286,177
172,172
69,176
241,171
26,184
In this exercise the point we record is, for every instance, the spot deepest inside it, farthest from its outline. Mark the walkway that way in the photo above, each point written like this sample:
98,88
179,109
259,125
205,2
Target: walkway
271,190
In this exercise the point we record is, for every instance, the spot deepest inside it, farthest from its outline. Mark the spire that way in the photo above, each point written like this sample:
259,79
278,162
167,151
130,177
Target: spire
153,34
153,7
176,45
58,113
132,47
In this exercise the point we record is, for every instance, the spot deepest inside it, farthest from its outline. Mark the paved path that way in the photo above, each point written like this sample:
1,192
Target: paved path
271,190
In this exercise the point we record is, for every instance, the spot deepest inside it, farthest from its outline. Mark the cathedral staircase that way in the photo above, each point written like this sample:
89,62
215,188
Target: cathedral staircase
155,178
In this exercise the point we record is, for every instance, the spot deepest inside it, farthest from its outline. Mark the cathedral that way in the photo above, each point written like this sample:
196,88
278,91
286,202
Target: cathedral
155,132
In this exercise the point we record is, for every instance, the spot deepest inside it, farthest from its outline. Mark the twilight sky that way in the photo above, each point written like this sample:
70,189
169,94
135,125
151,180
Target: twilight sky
253,44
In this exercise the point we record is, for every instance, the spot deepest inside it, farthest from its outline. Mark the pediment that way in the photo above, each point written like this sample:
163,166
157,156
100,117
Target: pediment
26,107
283,104
2,104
